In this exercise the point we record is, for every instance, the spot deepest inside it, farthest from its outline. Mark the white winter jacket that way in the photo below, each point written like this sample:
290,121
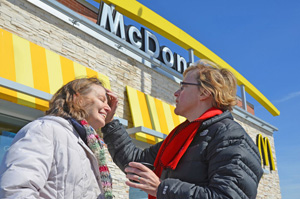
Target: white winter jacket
48,159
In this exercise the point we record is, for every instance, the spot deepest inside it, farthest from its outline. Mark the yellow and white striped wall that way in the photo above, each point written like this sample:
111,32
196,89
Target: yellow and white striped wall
151,113
31,65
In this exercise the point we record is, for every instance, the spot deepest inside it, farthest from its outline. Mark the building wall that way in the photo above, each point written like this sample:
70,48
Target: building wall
250,109
79,8
40,27
269,184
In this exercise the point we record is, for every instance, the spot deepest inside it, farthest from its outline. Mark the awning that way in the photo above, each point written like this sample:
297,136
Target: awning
31,65
152,118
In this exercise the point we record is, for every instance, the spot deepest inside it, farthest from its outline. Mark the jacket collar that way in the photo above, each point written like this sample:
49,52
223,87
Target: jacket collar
210,121
69,127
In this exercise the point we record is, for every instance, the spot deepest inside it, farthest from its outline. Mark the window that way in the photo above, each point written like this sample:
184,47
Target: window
6,139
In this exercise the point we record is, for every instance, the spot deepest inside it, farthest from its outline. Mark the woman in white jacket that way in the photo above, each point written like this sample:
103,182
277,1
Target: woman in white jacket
60,155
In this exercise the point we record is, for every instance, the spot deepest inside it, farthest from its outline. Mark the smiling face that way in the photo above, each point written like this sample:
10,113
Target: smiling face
96,106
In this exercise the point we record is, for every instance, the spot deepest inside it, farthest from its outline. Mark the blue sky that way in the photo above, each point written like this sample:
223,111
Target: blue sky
261,40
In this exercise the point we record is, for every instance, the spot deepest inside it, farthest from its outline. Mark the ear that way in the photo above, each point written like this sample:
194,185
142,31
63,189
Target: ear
77,99
204,95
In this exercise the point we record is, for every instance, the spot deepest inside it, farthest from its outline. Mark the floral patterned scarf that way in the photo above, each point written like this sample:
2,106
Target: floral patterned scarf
96,144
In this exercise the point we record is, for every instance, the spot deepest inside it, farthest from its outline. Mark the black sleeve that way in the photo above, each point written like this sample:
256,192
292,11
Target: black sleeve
122,149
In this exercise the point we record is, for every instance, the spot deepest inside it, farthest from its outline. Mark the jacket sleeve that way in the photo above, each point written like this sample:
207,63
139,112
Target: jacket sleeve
122,149
26,165
234,169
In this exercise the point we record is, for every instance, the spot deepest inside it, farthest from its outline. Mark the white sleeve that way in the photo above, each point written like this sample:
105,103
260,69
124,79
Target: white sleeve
26,166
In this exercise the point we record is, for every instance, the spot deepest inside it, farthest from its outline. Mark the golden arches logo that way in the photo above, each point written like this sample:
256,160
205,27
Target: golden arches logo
265,151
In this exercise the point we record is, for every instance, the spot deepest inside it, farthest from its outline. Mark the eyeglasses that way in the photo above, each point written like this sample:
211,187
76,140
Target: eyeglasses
187,83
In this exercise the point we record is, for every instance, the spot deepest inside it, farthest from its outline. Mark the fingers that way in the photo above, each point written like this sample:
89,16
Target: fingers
134,178
113,99
131,170
113,104
135,185
142,178
136,172
140,166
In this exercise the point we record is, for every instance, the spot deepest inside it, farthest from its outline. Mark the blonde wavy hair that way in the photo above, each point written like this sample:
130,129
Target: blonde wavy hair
65,102
220,83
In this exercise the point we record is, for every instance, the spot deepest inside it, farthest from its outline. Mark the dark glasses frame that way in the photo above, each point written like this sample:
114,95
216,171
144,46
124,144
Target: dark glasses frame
187,83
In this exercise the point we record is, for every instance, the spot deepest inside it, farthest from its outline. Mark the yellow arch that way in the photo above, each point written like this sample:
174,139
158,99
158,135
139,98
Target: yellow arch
148,18
265,151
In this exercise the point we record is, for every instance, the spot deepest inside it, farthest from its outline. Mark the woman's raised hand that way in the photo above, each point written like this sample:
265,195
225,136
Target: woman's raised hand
113,104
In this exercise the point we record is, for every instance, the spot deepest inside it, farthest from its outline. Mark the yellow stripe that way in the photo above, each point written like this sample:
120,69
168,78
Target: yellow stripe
105,80
79,70
168,115
39,68
7,62
136,104
174,116
134,107
153,113
143,15
161,117
145,115
7,65
54,71
90,72
136,114
23,69
40,74
181,119
153,116
67,69
144,109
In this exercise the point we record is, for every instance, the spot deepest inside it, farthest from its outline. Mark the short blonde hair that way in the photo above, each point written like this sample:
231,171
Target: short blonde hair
220,83
63,102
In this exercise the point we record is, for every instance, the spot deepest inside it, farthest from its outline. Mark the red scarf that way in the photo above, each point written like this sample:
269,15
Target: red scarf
178,141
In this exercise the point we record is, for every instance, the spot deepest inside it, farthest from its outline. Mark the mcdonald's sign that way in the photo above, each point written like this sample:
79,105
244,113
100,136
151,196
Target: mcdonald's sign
265,151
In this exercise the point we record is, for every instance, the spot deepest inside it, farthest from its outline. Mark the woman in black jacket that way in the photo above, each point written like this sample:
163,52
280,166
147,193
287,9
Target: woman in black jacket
207,156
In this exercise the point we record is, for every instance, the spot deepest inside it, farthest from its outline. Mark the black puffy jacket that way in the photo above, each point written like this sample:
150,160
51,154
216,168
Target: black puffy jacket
221,162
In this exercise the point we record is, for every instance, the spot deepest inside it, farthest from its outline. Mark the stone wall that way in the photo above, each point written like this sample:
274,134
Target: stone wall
269,184
33,24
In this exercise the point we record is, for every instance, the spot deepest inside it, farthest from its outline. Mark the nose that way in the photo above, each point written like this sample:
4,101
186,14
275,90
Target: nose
176,94
107,108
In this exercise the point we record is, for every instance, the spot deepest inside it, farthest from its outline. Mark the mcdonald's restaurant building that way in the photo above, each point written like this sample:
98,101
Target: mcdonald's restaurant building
46,43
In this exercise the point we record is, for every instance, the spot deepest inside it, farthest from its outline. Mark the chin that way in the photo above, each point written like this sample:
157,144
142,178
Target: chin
98,125
176,111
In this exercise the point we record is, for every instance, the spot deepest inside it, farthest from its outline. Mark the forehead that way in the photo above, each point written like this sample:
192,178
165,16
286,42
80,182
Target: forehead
191,75
98,90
